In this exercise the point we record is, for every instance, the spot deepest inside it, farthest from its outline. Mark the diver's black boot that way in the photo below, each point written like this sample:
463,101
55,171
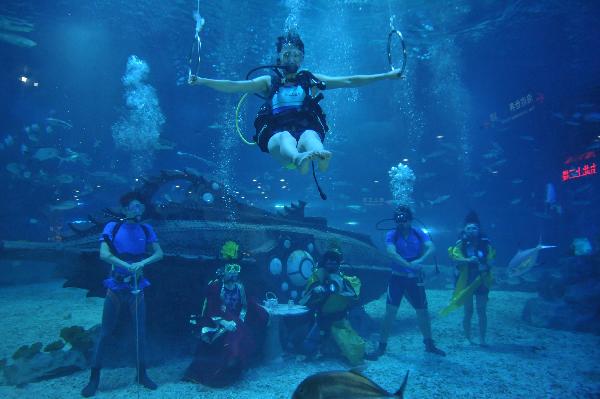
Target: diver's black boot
92,386
431,348
377,352
145,380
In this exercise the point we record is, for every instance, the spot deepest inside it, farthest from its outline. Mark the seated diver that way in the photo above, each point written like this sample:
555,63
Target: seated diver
232,329
330,294
291,125
124,245
473,254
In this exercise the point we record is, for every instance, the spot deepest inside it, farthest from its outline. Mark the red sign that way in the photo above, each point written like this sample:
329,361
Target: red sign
580,171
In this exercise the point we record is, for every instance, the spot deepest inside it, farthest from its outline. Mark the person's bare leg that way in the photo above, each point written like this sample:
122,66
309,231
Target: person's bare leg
481,301
386,327
283,147
468,315
311,143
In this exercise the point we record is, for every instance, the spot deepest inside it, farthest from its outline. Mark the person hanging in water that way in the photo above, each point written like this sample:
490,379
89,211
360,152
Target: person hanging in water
291,125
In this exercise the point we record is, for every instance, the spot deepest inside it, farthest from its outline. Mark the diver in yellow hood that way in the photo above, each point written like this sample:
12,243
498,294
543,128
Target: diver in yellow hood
330,293
473,255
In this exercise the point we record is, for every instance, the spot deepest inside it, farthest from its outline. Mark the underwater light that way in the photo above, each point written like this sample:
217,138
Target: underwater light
282,180
24,79
279,206
35,84
136,179
283,186
439,137
352,223
176,186
375,181
405,160
254,180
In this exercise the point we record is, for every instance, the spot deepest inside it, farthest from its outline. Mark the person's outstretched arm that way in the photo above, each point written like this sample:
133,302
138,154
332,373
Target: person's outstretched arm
338,82
257,85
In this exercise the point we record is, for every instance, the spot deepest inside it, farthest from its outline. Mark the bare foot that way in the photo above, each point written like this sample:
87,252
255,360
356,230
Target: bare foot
303,160
324,158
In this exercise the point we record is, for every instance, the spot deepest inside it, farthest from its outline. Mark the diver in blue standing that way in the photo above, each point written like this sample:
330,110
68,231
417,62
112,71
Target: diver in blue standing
291,125
409,246
125,246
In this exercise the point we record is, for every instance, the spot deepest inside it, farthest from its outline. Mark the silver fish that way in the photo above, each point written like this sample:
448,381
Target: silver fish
524,260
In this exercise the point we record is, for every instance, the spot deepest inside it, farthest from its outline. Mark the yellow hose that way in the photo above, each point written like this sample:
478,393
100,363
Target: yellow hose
237,125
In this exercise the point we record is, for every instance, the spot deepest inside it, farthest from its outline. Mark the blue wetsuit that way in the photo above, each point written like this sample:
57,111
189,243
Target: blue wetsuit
131,244
405,281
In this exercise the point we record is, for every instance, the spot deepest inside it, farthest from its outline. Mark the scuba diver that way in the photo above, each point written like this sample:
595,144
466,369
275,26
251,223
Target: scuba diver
473,254
124,245
409,246
232,327
330,294
291,125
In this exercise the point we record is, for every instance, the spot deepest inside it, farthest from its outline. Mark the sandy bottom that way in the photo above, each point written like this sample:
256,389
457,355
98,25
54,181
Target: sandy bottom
566,365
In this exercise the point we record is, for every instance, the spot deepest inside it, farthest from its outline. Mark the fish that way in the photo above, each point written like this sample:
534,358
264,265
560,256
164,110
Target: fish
109,177
491,154
164,145
73,156
9,140
498,163
524,260
216,126
572,123
515,201
343,384
439,199
46,153
434,154
356,208
479,194
64,206
593,117
528,138
517,181
15,168
64,179
59,122
208,163
17,40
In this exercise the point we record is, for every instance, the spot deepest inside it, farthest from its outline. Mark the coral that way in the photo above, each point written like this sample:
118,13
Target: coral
27,351
55,346
78,337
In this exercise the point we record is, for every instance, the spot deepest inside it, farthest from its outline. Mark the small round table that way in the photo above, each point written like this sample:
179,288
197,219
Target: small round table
273,349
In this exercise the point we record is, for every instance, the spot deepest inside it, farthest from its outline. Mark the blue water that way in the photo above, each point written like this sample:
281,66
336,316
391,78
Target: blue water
454,117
